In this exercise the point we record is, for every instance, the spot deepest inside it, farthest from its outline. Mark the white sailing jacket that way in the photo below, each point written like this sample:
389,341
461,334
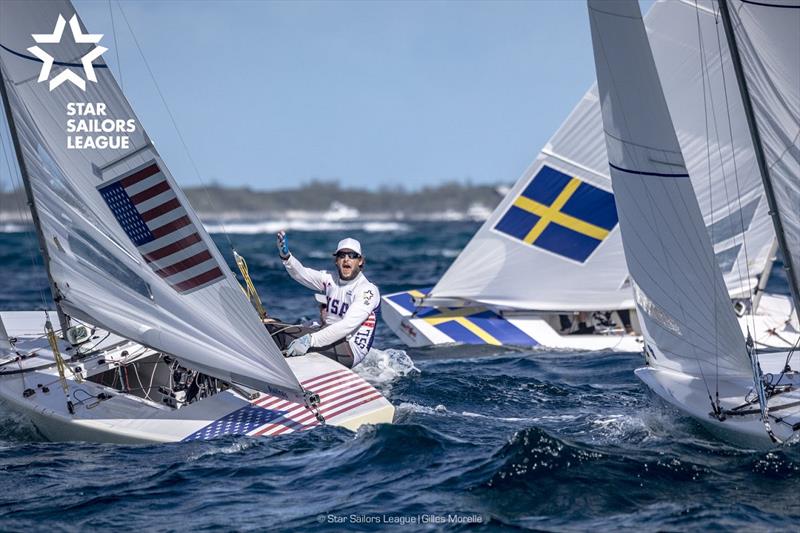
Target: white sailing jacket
352,307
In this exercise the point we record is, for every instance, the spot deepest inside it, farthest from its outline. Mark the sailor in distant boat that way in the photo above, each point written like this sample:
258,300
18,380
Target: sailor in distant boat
352,304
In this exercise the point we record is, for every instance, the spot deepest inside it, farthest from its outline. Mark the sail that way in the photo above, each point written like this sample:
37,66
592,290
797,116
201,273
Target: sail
553,242
704,101
126,250
681,297
767,34
5,341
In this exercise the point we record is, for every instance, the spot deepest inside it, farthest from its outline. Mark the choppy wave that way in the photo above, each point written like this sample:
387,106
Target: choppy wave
546,440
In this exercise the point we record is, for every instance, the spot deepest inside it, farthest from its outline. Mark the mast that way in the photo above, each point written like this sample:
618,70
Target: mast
62,317
759,153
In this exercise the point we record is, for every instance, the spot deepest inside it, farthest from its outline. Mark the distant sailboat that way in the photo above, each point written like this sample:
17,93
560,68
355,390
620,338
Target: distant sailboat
522,270
697,358
157,340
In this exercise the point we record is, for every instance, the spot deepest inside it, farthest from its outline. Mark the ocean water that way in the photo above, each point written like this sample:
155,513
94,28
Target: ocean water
491,439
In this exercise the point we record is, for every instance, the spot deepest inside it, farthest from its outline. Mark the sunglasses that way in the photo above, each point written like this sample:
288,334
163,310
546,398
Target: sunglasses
351,255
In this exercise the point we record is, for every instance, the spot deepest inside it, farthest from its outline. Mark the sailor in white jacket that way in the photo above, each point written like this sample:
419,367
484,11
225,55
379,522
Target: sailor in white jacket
352,301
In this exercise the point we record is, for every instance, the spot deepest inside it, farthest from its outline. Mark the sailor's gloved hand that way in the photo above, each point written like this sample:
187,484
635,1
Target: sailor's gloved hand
299,346
283,245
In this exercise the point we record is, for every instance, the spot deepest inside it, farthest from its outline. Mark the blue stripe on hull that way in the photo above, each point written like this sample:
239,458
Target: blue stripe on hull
488,321
501,329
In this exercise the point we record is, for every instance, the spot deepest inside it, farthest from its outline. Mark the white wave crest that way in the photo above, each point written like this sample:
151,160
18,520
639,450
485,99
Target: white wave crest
382,367
620,427
411,407
15,228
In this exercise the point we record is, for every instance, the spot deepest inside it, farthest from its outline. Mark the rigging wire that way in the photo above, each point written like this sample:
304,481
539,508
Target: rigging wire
203,182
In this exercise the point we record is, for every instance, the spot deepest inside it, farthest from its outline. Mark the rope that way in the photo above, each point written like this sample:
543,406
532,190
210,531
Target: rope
60,364
249,288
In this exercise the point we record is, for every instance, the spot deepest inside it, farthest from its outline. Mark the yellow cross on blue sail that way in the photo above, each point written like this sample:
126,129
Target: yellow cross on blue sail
561,214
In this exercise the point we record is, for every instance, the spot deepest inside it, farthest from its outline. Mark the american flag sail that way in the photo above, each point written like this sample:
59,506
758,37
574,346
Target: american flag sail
153,218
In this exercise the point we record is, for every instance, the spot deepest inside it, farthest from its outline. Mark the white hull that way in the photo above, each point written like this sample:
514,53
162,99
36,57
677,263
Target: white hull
690,395
424,326
346,399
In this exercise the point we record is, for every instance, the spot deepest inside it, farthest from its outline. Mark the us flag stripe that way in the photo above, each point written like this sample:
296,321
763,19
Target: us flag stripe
288,419
140,175
160,210
149,193
347,404
186,263
212,274
151,214
343,379
168,228
172,248
340,391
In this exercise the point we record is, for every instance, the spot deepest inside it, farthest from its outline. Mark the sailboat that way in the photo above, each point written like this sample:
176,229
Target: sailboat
552,247
154,339
697,358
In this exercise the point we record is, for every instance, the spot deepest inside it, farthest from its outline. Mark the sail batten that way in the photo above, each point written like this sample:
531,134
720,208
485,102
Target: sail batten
124,246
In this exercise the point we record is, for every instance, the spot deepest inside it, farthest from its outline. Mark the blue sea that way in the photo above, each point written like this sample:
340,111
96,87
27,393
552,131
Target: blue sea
497,439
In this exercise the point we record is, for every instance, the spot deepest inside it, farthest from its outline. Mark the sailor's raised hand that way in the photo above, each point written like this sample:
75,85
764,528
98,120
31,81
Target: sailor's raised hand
299,346
283,245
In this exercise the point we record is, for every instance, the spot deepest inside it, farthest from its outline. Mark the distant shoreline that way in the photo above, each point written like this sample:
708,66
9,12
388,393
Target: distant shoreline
320,200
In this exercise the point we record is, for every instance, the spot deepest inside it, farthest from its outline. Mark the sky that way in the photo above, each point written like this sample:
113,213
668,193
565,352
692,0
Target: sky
273,95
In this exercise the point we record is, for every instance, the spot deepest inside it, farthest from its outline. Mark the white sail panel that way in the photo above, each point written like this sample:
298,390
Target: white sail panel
768,38
681,298
719,155
127,252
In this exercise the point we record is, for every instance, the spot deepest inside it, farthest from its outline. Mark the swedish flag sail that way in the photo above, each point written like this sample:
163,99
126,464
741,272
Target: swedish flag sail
560,214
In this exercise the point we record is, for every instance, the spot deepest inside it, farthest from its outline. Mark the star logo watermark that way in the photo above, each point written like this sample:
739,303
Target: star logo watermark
80,38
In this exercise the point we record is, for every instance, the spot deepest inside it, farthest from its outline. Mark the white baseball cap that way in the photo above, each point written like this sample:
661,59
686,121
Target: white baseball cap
348,244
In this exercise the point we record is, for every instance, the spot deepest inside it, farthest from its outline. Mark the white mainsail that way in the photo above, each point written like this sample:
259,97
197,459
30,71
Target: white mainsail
126,250
681,297
706,107
767,34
